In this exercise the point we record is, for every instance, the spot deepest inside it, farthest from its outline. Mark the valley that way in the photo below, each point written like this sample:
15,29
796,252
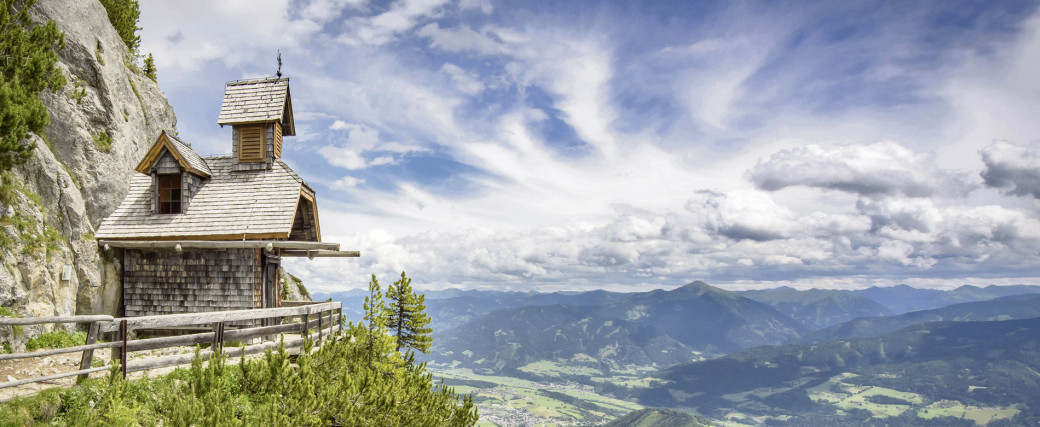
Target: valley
764,357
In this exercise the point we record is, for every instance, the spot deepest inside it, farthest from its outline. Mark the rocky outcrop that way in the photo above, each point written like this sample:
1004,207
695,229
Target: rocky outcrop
102,123
293,289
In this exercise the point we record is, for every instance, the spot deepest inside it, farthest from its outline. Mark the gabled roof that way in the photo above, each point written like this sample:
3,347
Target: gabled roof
228,206
186,157
258,101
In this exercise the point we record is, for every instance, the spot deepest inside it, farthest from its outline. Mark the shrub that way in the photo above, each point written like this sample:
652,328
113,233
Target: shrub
56,339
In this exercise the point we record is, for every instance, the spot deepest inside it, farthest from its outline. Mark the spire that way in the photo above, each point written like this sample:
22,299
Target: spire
279,73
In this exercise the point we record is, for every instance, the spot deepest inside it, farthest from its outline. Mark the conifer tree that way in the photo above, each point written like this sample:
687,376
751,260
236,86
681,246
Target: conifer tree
124,15
375,315
406,316
149,67
27,67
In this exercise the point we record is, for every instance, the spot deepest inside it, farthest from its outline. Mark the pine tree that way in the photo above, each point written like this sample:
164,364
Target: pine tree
406,316
124,15
27,67
375,314
149,67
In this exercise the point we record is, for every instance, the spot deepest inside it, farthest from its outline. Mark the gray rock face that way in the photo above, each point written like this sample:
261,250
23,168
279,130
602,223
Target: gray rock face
77,178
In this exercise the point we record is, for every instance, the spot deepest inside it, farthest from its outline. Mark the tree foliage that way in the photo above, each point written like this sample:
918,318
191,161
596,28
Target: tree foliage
124,15
332,385
27,67
406,316
379,340
149,67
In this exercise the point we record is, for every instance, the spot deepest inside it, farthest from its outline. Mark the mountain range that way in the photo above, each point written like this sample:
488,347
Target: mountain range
500,330
980,364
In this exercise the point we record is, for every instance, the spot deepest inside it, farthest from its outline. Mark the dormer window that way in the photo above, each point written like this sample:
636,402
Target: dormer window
169,193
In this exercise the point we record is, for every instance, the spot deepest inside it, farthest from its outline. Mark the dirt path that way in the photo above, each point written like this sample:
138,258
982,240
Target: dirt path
12,370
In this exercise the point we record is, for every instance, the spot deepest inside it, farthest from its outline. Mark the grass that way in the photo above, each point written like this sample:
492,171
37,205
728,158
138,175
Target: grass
103,142
554,402
78,91
550,369
980,415
56,339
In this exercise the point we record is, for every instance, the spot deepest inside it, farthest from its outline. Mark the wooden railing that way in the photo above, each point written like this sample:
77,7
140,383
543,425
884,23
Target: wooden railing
315,321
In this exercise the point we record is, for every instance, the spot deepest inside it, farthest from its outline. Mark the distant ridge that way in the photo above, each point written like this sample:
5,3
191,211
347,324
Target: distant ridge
658,417
1004,308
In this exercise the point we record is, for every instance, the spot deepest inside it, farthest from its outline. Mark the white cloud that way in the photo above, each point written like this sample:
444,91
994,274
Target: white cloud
467,83
347,182
462,38
483,5
380,29
183,35
883,168
1013,168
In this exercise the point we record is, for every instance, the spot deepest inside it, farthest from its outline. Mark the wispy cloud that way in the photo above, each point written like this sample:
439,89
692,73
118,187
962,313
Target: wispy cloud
582,145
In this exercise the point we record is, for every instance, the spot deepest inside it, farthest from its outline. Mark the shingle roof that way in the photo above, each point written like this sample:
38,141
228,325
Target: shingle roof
190,156
229,204
252,101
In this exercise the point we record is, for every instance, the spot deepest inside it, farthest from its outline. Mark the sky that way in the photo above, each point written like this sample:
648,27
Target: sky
636,145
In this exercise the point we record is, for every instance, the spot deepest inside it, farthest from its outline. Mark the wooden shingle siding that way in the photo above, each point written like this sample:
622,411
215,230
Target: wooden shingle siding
227,204
166,164
254,101
185,157
303,223
165,282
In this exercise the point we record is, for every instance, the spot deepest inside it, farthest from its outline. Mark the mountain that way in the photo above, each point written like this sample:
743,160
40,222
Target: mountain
657,328
818,308
454,307
658,417
101,124
901,377
508,339
707,318
903,298
1006,308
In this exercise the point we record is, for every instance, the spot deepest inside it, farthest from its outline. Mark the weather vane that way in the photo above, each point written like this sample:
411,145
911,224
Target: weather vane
279,72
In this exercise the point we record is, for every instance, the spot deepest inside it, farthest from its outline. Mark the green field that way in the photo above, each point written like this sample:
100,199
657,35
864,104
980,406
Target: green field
510,401
981,415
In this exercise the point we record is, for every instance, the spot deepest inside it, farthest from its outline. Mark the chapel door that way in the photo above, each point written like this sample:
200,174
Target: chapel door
271,294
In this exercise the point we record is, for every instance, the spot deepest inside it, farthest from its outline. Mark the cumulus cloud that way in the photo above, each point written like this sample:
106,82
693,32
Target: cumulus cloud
1012,168
883,168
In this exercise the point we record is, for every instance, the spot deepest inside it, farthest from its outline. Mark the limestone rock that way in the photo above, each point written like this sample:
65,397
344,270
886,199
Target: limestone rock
78,176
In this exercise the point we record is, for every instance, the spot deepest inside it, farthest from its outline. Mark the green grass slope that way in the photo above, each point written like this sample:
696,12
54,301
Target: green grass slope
658,417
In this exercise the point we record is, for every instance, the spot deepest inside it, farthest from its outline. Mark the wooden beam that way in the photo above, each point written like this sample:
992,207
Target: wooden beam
205,237
54,319
52,377
185,319
218,244
321,254
41,353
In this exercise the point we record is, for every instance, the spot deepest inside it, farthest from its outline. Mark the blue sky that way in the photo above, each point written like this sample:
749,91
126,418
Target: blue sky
635,145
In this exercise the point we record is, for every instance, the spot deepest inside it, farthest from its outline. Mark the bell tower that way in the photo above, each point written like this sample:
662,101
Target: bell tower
260,114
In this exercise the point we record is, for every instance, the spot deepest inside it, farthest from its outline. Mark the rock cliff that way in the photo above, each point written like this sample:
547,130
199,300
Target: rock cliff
102,122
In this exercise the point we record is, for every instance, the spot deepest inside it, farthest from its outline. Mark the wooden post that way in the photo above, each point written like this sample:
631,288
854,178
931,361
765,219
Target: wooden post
339,319
306,325
321,315
218,336
88,355
122,353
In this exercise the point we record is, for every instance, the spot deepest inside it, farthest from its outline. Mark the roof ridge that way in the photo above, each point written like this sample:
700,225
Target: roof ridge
256,80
